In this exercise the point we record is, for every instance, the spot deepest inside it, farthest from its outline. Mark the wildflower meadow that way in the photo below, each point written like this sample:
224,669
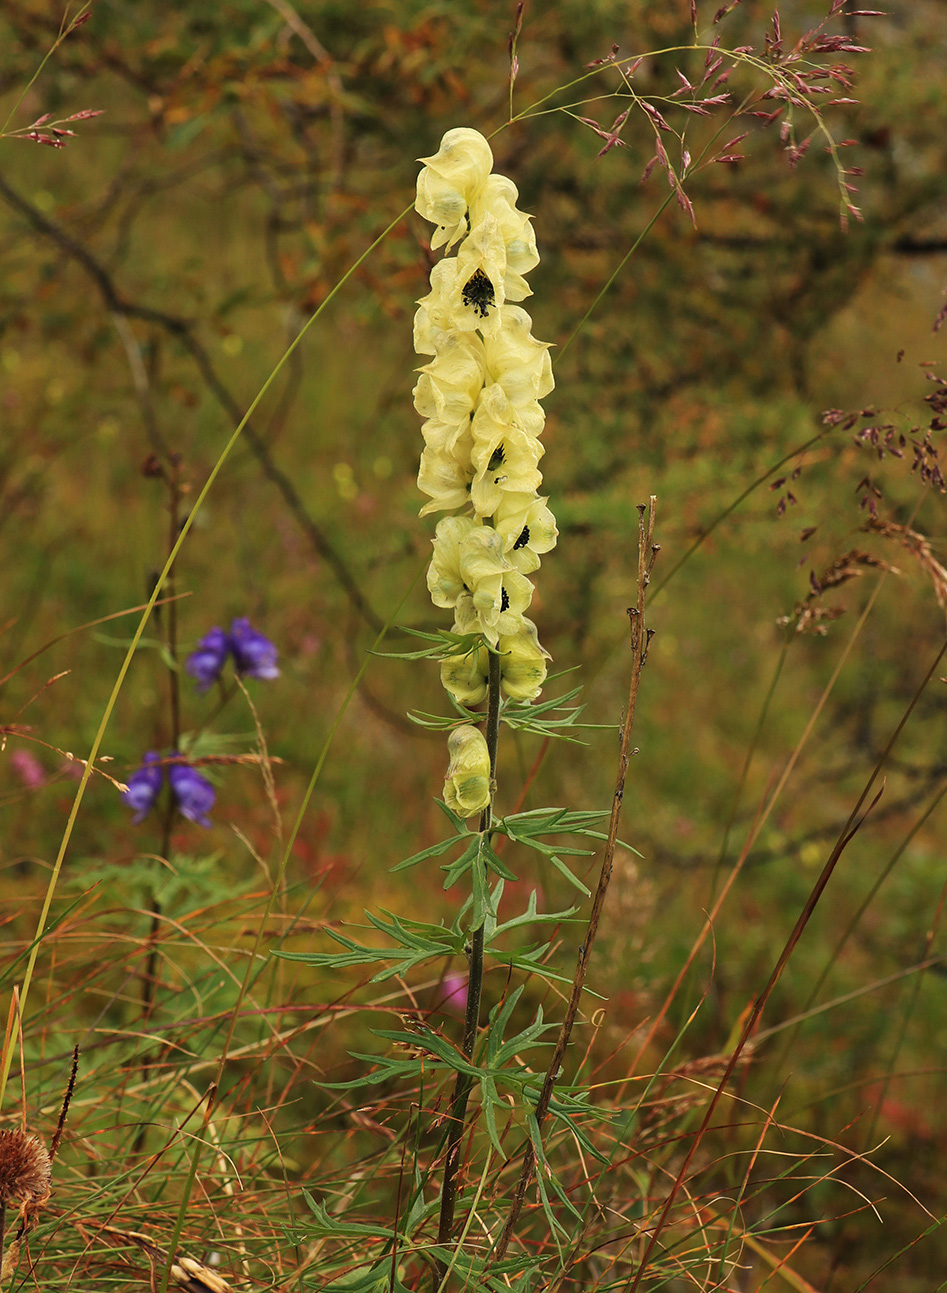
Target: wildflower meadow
473,649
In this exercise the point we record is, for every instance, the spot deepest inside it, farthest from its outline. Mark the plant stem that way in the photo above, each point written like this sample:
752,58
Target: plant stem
640,638
149,983
463,1084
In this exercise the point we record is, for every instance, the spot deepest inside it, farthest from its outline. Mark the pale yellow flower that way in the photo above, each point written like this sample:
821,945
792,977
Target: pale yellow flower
504,456
504,616
451,180
435,311
499,197
467,787
522,663
449,386
445,579
516,360
466,677
481,271
445,480
527,528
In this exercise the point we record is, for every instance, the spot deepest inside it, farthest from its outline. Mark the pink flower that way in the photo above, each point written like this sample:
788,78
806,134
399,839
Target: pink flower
28,768
454,993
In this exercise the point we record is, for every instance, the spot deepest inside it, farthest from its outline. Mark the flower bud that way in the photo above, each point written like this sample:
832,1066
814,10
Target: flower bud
467,787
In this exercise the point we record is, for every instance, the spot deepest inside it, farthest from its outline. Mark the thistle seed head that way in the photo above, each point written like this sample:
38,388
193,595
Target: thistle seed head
25,1170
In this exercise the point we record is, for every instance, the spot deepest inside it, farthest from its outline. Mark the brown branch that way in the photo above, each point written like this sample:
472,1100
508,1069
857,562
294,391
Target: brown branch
183,331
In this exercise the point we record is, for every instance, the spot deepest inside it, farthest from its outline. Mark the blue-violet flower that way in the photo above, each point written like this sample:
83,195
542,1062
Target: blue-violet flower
194,793
206,661
253,654
144,786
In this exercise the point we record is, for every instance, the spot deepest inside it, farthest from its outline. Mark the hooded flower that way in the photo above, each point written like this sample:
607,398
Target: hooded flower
444,479
522,663
434,315
527,528
505,615
207,660
254,655
451,180
445,579
447,392
481,275
144,786
504,455
466,676
516,360
467,787
499,197
194,793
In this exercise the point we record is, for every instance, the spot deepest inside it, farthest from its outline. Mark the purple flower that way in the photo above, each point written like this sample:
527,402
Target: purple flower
28,768
144,786
206,661
194,793
253,654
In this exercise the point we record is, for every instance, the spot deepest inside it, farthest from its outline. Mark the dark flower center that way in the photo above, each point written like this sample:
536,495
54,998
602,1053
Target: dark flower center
522,541
497,458
504,600
478,292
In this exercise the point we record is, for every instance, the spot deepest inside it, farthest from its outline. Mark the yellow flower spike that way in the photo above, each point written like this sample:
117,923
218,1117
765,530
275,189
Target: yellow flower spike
522,663
467,786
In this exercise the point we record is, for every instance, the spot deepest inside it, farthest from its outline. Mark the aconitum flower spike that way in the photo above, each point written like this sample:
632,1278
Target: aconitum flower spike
194,793
207,659
144,786
253,654
479,398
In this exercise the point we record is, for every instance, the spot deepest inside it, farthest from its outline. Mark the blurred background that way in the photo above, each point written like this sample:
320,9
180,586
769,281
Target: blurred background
154,271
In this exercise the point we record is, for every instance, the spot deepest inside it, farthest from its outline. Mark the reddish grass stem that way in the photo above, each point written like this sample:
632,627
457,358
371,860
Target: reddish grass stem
640,639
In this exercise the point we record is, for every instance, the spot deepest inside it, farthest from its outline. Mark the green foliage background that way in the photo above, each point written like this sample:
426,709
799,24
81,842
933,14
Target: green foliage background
154,272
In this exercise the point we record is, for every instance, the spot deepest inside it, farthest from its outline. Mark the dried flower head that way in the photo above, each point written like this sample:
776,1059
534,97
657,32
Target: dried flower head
25,1171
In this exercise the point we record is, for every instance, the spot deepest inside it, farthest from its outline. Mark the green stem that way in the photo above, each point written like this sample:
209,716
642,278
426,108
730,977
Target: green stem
463,1084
